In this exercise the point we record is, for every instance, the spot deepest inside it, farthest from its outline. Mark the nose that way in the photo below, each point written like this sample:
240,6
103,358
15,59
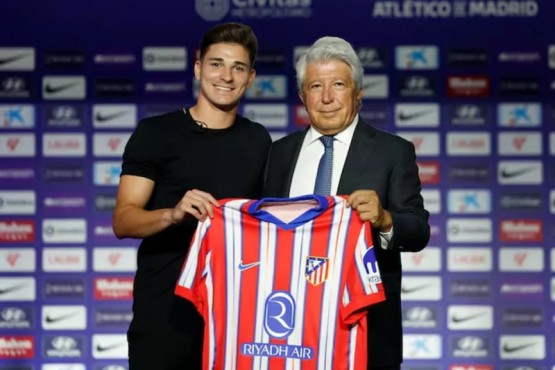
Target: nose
226,75
327,94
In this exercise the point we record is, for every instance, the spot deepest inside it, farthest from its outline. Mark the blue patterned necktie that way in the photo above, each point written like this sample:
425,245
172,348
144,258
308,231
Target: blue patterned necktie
323,177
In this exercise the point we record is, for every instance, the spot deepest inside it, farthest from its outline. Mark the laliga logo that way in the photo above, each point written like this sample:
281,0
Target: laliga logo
212,10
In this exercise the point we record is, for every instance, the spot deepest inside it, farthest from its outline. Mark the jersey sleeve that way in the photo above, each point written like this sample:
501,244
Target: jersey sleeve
192,276
364,285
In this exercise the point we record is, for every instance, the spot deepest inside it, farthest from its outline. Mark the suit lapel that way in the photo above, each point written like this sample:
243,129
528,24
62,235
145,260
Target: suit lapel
361,149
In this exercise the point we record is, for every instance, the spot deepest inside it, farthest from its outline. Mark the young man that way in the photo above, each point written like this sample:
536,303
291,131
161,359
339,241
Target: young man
175,167
376,169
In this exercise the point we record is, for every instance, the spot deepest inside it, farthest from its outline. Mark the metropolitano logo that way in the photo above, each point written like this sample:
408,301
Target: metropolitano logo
212,10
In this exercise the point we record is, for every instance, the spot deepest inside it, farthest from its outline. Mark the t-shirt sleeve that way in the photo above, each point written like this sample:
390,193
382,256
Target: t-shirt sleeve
190,284
364,285
141,156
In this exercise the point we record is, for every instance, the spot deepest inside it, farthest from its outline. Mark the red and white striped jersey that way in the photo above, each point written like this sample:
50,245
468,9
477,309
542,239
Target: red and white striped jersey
283,295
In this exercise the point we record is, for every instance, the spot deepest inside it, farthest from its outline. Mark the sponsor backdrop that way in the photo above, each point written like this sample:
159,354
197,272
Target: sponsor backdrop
470,82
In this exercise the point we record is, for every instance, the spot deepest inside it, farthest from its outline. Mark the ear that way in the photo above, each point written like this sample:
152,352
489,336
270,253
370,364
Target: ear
359,96
197,69
252,75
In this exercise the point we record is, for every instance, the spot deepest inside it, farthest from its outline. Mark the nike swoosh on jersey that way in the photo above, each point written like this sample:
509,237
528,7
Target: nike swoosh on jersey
55,89
243,267
408,116
102,118
12,59
509,349
510,174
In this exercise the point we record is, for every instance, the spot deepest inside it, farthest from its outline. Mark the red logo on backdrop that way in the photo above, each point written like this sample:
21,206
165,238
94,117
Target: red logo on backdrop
428,172
113,143
519,141
471,367
521,231
417,142
467,86
17,347
301,116
113,288
17,231
12,258
114,258
12,143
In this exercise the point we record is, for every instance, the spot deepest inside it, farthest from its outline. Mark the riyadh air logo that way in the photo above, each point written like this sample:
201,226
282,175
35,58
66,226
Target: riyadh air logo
417,57
279,323
519,114
279,315
316,270
212,10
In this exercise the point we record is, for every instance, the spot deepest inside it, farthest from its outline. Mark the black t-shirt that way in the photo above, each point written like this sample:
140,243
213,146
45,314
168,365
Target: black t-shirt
179,155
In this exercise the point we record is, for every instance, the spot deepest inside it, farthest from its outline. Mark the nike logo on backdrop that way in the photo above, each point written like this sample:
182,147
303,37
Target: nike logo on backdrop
55,89
243,267
101,348
11,289
413,289
408,116
103,118
53,319
457,319
12,59
509,174
509,349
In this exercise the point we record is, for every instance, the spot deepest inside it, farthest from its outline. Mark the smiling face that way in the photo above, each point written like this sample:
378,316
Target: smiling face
330,96
224,74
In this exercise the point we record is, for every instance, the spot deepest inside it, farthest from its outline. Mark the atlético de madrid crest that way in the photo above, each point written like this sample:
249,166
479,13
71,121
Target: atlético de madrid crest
316,271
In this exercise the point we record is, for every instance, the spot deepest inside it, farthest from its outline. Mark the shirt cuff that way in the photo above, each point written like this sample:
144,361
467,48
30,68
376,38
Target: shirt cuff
385,238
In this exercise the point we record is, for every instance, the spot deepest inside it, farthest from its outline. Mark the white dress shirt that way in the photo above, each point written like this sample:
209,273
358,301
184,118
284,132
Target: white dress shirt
312,149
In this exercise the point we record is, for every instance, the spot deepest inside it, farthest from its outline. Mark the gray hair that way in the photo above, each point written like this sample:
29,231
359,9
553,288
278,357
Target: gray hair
330,48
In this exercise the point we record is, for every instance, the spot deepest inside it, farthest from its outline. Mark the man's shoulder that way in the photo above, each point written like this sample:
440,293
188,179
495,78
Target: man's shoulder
169,117
251,125
289,139
382,135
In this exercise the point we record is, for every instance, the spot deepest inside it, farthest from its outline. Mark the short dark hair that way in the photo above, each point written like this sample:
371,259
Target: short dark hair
231,33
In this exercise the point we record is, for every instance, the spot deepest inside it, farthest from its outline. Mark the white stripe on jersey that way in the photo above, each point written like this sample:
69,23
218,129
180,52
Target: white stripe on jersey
266,286
233,239
332,291
187,277
301,247
209,282
352,346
